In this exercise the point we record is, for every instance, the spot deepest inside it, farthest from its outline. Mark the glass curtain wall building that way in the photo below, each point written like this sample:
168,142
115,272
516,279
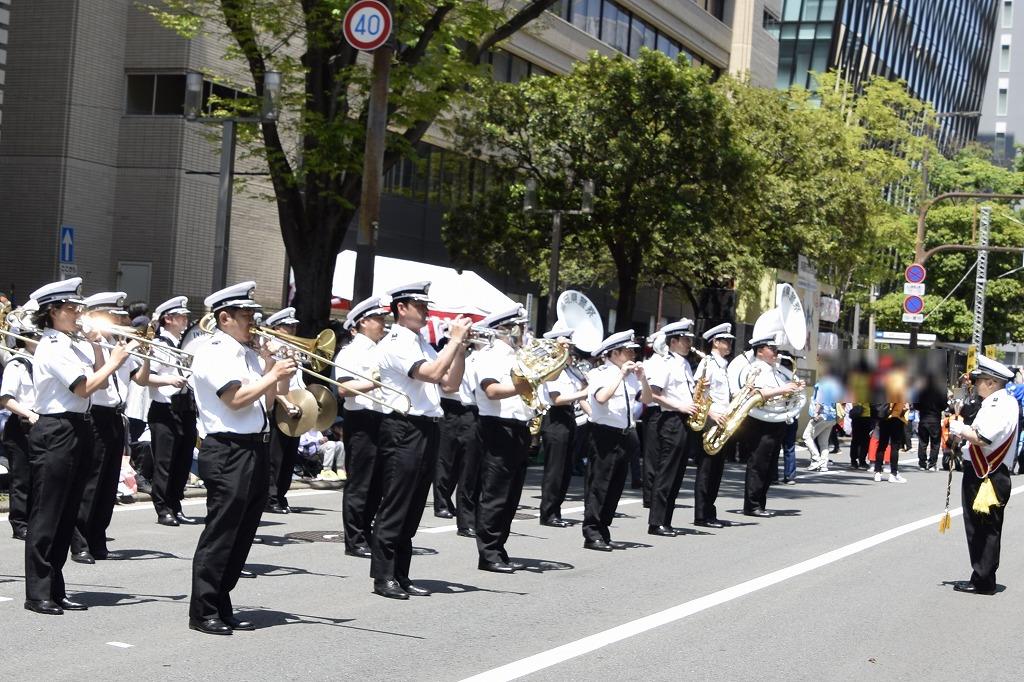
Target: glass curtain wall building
939,47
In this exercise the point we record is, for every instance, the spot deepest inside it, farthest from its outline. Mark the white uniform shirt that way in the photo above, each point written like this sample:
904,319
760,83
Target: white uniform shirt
715,368
359,355
737,370
466,394
495,364
619,410
219,365
400,352
996,422
17,383
566,383
116,392
673,375
162,394
59,365
767,377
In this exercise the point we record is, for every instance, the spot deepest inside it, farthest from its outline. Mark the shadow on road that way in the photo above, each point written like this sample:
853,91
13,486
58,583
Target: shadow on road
101,599
142,555
446,587
543,565
268,571
265,618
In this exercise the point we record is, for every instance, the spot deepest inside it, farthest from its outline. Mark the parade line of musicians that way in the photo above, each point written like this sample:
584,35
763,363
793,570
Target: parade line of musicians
66,385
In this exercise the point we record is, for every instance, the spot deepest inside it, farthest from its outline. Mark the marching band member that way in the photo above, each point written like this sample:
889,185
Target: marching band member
103,471
557,433
708,480
362,417
17,394
66,373
672,383
458,457
613,391
284,449
232,392
737,369
763,433
172,415
408,443
993,443
505,439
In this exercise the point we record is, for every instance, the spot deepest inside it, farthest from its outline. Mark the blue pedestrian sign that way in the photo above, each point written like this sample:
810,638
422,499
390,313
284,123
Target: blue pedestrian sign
66,244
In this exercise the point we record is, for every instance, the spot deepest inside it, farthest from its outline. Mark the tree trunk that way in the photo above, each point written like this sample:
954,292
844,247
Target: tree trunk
628,278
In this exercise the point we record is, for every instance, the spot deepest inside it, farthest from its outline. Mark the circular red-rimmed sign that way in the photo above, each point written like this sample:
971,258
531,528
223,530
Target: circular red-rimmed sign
915,273
367,24
913,304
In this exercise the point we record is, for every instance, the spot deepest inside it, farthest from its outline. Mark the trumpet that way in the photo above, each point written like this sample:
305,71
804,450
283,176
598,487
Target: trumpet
318,353
480,337
90,323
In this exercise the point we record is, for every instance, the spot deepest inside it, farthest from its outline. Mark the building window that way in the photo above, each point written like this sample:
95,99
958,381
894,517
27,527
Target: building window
1007,14
508,68
770,23
1004,53
713,7
615,27
999,148
586,15
163,94
1003,97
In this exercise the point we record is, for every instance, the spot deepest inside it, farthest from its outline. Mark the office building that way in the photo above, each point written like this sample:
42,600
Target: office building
1001,124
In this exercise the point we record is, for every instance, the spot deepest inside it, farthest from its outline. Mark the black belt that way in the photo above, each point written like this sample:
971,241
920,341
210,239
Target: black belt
415,418
506,421
455,407
74,416
562,410
615,429
244,438
108,410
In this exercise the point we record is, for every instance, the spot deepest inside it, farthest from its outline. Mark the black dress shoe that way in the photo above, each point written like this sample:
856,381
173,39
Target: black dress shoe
663,531
361,552
246,574
495,566
276,509
466,532
44,606
210,626
617,545
82,557
168,520
20,534
236,624
713,523
760,513
412,590
970,588
69,605
390,589
516,565
598,545
444,514
181,518
556,523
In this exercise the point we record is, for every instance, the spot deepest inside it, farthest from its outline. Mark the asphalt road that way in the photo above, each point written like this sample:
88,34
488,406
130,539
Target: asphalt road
846,581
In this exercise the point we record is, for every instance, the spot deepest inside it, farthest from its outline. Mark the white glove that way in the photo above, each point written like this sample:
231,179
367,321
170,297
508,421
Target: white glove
956,427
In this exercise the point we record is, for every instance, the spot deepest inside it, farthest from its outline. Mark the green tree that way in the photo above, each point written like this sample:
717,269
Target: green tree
315,153
656,138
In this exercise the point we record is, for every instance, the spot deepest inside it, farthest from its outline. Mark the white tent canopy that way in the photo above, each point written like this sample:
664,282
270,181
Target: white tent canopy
451,291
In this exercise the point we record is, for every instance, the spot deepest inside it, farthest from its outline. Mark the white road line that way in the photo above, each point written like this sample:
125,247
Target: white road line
570,510
563,653
121,645
6,599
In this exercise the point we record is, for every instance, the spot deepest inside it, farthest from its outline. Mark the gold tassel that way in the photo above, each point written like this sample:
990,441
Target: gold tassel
985,498
945,523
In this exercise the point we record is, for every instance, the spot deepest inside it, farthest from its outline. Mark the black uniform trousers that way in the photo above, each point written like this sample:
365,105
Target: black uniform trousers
673,448
860,440
234,470
890,433
709,476
469,476
173,436
929,439
984,531
763,440
610,452
505,447
16,444
61,445
363,477
557,431
456,427
284,450
408,453
648,435
101,474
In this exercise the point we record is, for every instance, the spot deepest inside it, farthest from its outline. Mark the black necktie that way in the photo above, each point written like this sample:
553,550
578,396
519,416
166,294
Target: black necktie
629,412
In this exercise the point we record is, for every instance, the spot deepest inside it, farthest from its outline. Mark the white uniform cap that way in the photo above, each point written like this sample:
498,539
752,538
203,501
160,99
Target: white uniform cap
512,316
772,339
282,316
617,340
174,306
721,331
108,301
993,368
683,327
417,291
375,305
235,296
65,291
558,332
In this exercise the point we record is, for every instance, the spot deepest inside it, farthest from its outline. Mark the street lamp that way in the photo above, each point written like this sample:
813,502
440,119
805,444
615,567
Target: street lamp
270,109
530,206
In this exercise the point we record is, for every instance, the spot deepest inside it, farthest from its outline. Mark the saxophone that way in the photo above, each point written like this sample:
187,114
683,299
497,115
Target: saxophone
739,407
702,404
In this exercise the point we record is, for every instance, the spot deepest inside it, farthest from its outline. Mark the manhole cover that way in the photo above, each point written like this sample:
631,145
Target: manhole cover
317,536
524,517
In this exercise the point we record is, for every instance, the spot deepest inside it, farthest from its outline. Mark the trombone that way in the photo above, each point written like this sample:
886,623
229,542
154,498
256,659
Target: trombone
129,334
317,352
8,318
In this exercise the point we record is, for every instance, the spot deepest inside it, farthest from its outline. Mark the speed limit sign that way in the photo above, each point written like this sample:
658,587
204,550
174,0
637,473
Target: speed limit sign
367,24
